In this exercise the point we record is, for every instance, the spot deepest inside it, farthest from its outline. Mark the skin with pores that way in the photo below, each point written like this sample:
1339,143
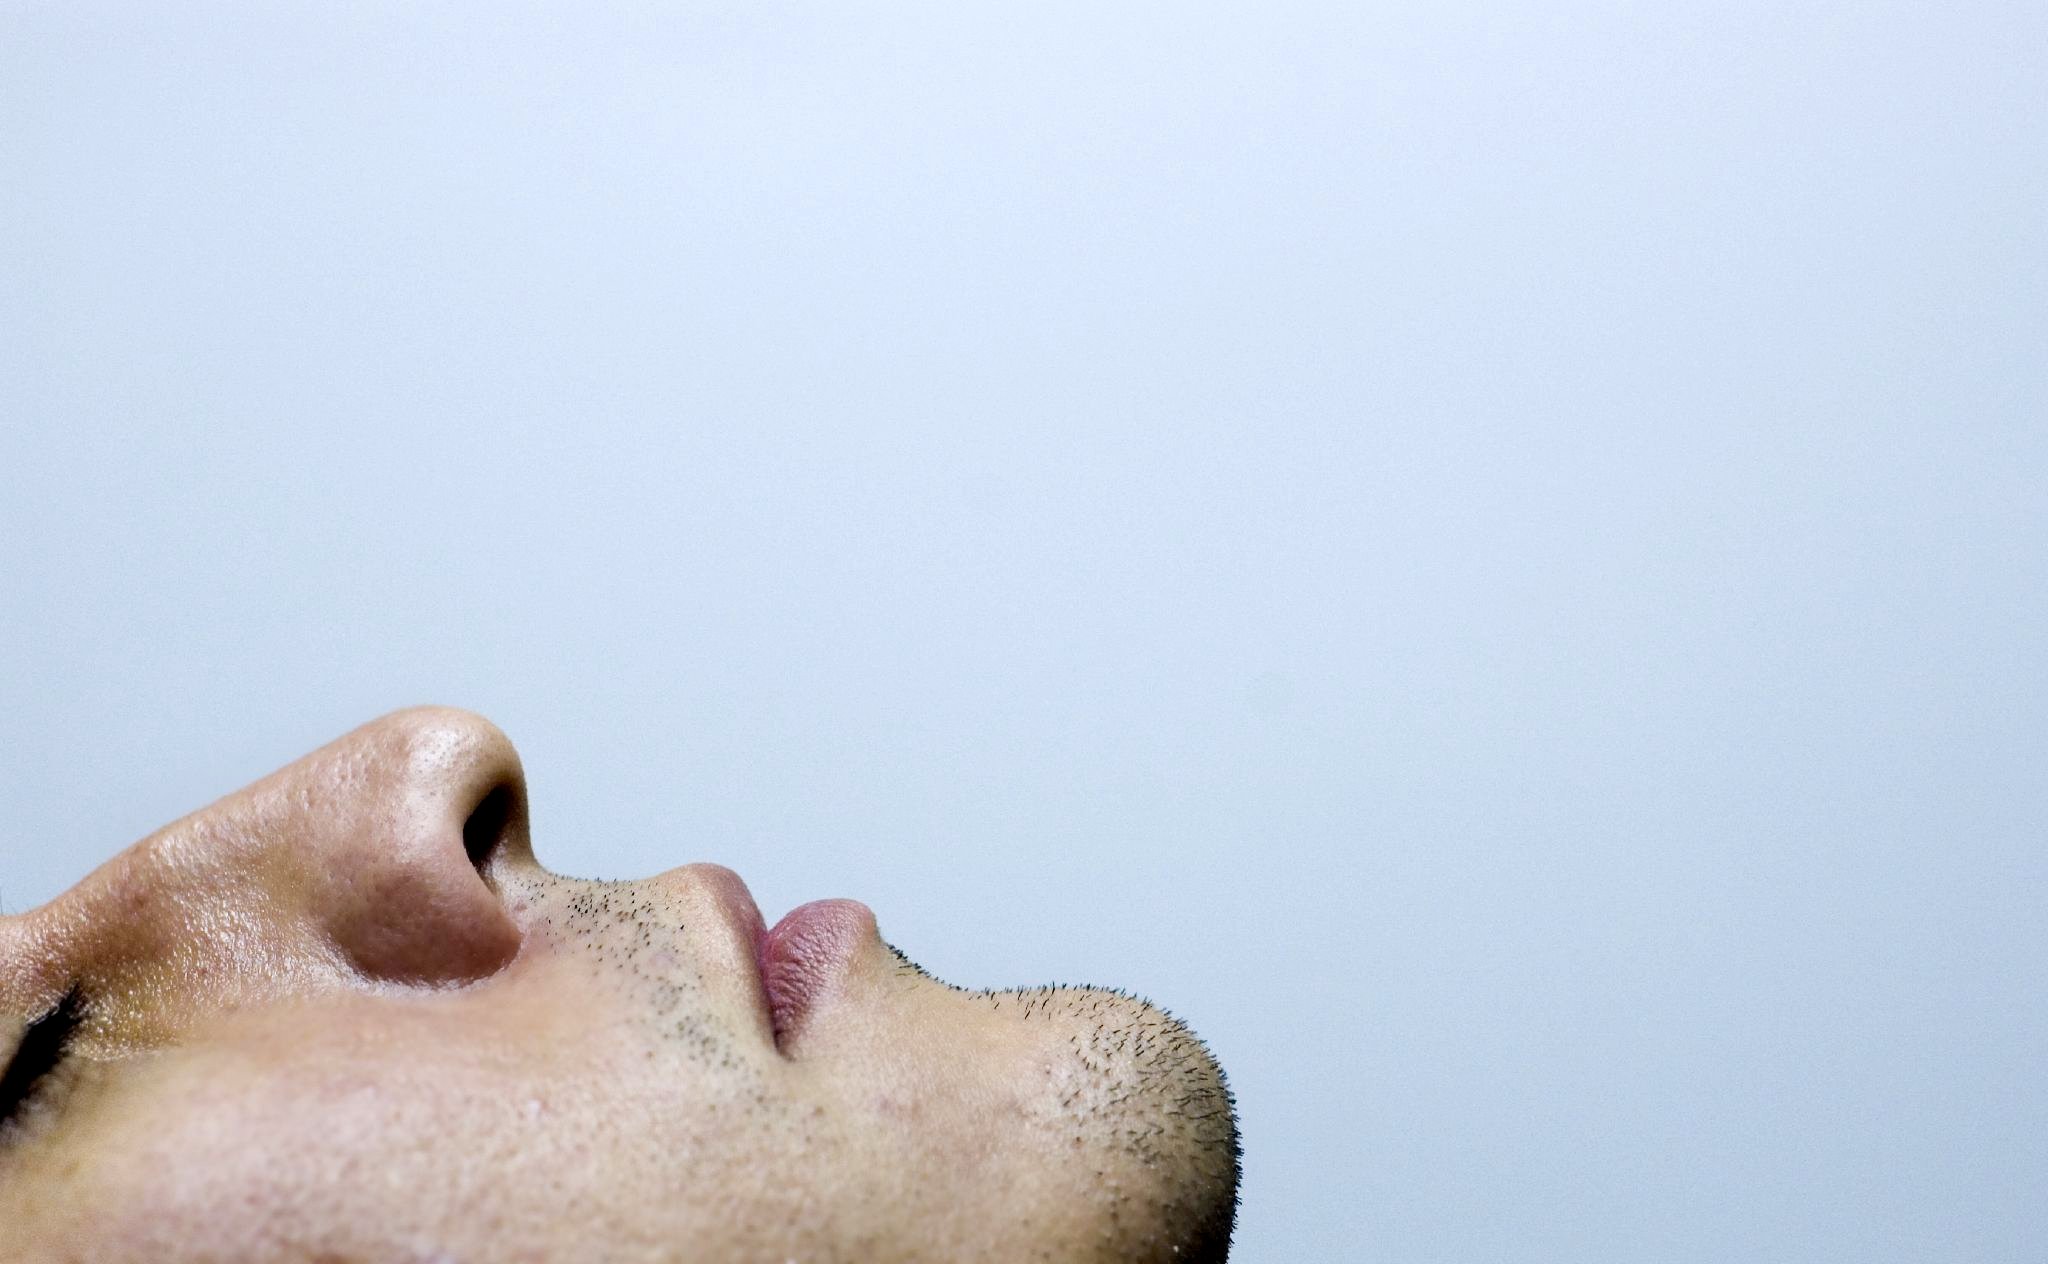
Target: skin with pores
345,1015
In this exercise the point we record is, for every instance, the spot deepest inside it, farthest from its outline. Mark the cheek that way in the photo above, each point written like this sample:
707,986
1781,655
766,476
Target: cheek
510,1112
377,1162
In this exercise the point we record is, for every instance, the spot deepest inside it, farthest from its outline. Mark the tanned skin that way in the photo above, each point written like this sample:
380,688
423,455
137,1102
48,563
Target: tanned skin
344,1015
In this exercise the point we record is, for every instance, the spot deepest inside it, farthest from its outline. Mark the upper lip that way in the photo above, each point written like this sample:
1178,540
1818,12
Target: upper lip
743,917
794,963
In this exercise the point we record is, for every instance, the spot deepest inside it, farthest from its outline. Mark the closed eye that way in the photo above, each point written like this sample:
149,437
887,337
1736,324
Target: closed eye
39,1054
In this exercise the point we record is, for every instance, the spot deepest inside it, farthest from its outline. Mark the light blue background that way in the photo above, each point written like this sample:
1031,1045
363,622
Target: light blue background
1491,557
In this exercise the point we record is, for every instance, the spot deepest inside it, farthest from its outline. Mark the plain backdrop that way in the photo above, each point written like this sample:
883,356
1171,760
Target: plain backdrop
1490,557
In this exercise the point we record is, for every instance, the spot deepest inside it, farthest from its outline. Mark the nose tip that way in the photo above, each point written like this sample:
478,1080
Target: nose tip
456,767
443,799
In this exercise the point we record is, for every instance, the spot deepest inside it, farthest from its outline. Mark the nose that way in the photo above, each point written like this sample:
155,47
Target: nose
377,857
393,833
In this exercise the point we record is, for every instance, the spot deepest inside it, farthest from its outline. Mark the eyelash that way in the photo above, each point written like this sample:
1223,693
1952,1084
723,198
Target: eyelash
39,1054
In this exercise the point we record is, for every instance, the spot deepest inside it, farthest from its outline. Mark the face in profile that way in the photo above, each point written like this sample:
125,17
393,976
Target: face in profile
345,1015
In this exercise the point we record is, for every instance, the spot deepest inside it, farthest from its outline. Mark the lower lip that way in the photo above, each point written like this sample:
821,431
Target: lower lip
804,957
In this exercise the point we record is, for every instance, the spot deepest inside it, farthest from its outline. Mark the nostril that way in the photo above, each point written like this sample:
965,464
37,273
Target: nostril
484,833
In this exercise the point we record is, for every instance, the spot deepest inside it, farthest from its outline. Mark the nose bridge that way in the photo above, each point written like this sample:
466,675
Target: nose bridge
19,973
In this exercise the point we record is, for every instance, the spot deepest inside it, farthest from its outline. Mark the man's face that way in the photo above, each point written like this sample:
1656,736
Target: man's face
344,1015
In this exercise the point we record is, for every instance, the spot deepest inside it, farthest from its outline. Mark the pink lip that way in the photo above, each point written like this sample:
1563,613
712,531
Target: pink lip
802,959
